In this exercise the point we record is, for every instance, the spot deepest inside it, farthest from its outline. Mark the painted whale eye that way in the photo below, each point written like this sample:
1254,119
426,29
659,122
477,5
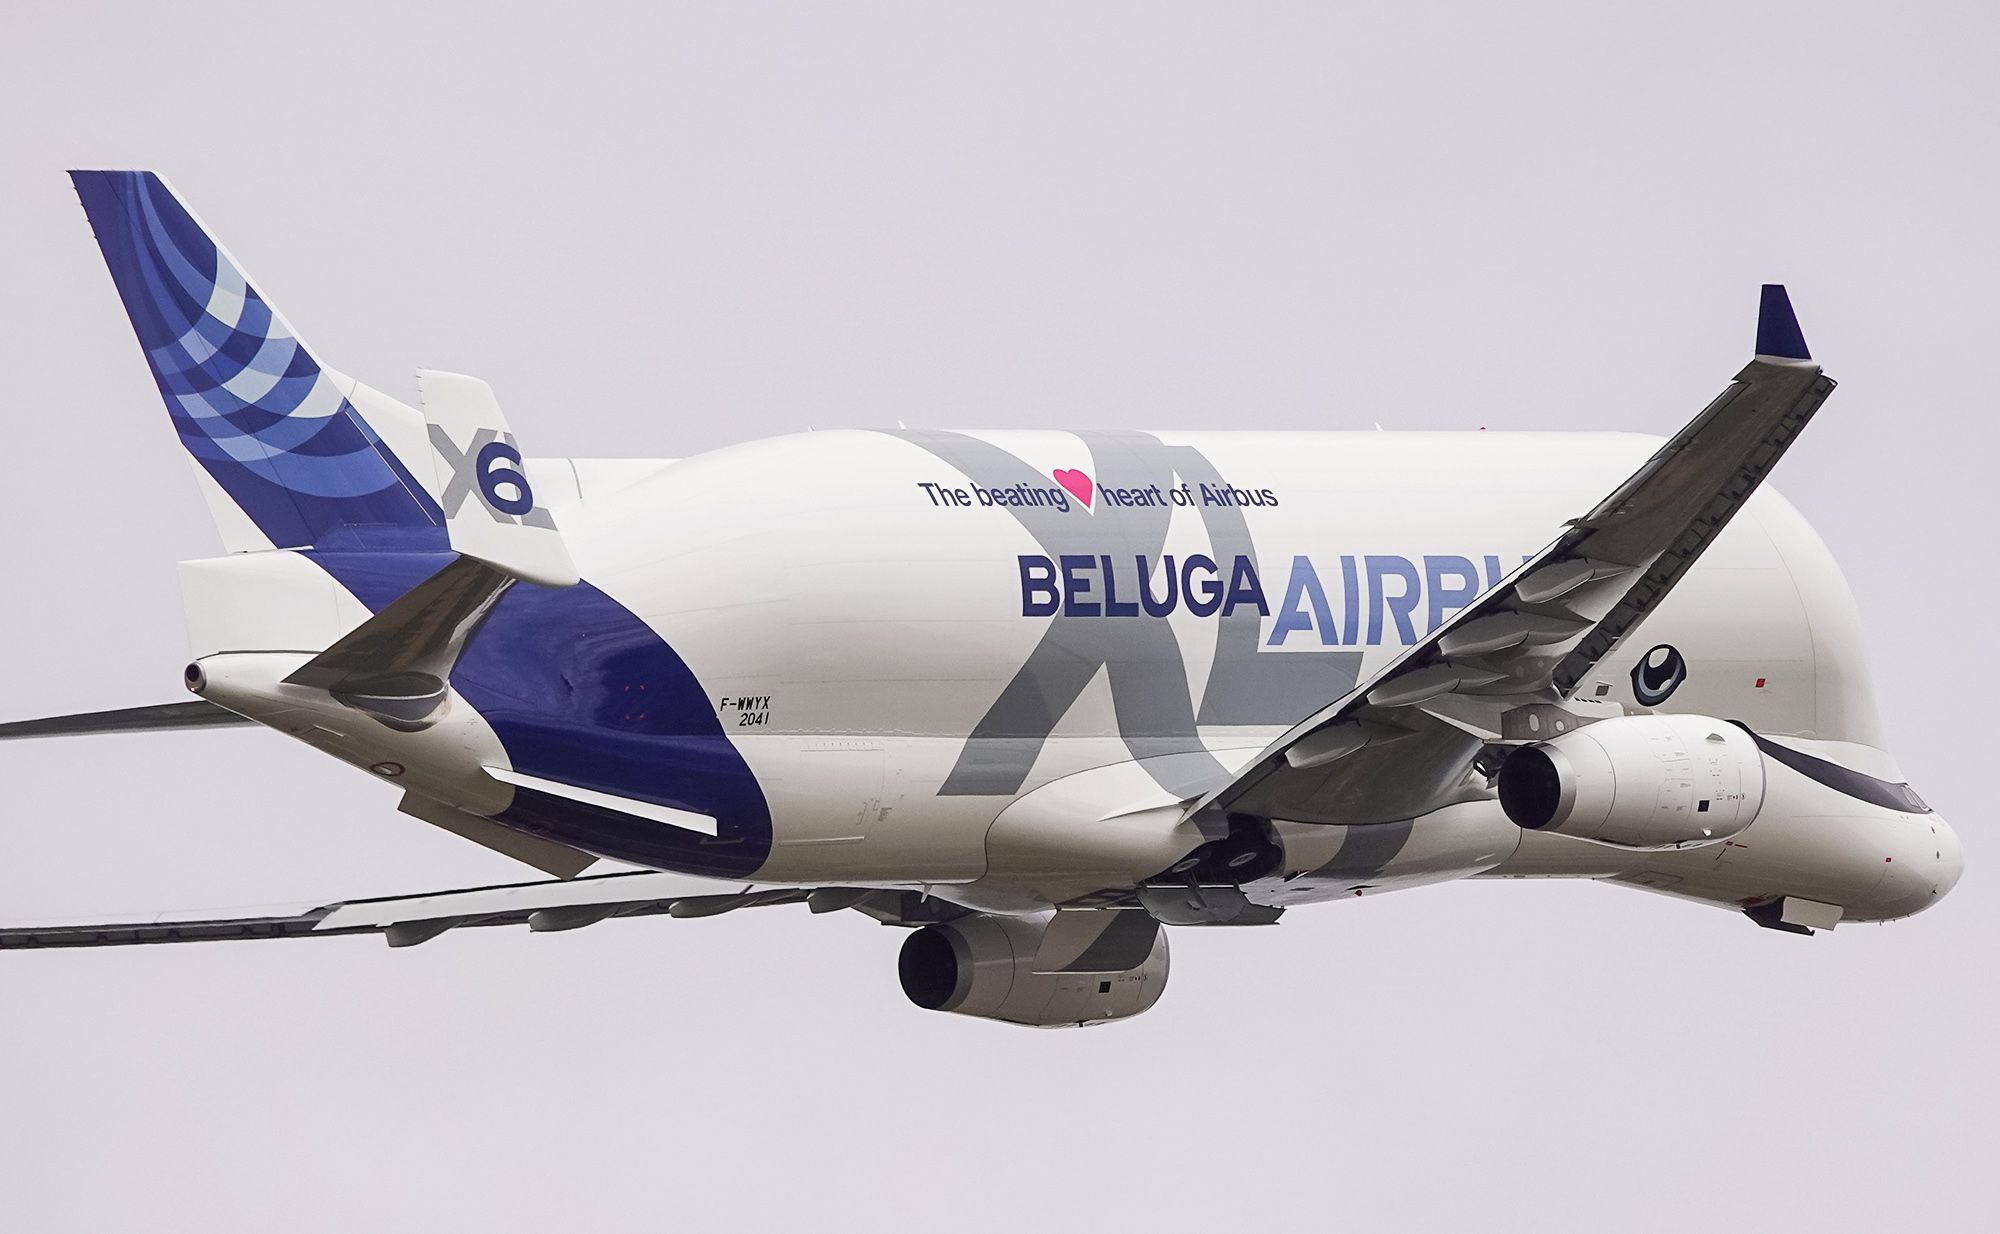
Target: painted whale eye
1658,674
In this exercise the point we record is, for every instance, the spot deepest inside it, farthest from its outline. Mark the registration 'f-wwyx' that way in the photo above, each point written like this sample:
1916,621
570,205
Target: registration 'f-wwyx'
1030,696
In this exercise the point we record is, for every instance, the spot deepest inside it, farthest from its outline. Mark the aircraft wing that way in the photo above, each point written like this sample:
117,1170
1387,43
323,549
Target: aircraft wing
1506,669
542,906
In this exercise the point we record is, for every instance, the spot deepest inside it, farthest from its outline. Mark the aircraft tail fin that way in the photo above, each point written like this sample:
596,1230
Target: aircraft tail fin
273,427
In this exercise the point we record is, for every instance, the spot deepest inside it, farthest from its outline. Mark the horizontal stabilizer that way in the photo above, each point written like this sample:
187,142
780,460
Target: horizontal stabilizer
196,714
396,666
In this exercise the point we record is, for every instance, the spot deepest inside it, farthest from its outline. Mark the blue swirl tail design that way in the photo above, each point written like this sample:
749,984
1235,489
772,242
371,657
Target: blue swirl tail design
252,405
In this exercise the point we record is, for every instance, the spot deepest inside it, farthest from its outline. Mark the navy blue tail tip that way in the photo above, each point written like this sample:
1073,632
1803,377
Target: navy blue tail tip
1778,333
251,403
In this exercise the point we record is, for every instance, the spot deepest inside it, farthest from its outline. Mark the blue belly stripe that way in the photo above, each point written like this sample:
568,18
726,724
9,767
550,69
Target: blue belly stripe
580,690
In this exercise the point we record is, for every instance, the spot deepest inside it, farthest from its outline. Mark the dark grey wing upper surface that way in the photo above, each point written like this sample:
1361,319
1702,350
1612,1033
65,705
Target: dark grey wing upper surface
1405,742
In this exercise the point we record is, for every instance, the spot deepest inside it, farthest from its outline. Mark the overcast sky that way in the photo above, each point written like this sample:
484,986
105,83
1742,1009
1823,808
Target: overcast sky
659,229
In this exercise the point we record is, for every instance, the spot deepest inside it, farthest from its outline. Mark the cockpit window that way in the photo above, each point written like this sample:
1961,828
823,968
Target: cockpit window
1841,779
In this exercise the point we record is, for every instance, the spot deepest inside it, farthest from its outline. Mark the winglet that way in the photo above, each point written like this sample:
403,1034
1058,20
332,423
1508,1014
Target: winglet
490,511
1778,334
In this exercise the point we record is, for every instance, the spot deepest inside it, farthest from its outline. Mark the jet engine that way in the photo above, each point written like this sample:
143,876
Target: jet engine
1659,781
984,965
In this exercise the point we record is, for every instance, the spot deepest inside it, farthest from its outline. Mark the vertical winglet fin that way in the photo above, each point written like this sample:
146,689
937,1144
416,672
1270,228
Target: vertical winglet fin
490,508
1778,333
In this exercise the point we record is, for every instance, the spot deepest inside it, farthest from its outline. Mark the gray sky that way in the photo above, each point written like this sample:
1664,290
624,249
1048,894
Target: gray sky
658,229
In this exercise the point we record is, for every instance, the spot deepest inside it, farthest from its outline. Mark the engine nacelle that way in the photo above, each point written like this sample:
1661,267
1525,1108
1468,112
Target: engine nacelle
983,965
1662,781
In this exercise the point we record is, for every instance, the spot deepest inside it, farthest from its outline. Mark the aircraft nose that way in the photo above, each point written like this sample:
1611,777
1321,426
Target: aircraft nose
1949,859
1926,865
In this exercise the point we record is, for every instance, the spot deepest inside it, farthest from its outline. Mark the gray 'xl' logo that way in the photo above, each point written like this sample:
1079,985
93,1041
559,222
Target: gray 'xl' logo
1142,659
491,466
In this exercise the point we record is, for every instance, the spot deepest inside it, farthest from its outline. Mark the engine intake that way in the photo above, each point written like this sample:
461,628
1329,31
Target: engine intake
1662,781
983,965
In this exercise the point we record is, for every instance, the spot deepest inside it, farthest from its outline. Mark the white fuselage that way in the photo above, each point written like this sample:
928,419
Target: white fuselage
945,668
834,580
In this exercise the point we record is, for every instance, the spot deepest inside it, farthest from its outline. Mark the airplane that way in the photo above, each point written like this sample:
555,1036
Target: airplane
1033,697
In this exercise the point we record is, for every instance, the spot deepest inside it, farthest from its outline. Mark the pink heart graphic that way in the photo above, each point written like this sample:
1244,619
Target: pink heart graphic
1077,483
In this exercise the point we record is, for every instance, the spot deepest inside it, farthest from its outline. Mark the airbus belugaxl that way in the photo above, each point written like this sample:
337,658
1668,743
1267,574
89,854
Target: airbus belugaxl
1030,695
